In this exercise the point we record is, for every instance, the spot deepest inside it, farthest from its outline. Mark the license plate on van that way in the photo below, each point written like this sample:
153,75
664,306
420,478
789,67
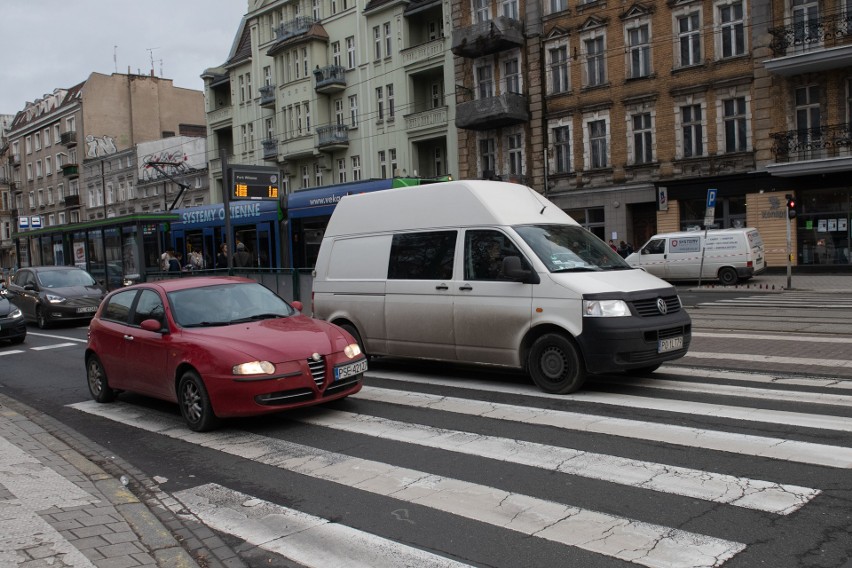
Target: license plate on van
350,369
670,344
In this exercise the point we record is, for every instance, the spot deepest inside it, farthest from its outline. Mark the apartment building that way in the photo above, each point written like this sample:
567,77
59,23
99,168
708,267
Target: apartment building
335,91
62,146
6,195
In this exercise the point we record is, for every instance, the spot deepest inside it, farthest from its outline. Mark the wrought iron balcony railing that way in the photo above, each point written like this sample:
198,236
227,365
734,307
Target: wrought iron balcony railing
330,79
834,141
334,136
267,95
270,148
296,26
68,138
818,33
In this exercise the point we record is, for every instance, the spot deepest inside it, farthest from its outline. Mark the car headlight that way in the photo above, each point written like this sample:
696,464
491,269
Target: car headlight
53,298
254,368
16,313
605,308
352,350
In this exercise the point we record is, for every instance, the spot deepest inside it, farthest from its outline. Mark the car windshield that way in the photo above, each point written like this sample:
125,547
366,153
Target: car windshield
65,278
226,304
569,248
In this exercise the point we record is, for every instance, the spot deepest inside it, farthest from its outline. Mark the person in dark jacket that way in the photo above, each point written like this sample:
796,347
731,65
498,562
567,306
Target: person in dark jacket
242,258
222,256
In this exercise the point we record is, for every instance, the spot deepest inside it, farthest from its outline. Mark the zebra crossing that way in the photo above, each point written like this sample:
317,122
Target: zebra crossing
761,465
785,299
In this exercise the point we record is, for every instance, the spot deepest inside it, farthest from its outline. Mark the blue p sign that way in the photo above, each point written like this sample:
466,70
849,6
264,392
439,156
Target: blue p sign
711,198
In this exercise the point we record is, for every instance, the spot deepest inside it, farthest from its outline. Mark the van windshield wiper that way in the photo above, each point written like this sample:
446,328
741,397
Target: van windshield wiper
577,269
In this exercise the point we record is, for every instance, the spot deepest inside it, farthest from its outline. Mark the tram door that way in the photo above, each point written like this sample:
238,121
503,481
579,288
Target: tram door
264,247
209,247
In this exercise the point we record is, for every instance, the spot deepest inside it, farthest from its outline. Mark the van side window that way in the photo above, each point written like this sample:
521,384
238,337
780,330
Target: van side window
422,256
655,246
484,252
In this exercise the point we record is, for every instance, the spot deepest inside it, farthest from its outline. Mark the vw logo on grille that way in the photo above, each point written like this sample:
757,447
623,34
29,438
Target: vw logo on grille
661,306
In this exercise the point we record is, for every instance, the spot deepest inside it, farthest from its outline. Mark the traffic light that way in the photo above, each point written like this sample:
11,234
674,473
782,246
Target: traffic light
791,206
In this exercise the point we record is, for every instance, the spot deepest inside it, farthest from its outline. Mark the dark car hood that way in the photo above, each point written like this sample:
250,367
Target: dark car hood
5,307
75,291
297,336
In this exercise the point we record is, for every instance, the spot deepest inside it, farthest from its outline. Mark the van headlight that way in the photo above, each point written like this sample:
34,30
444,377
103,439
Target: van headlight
605,309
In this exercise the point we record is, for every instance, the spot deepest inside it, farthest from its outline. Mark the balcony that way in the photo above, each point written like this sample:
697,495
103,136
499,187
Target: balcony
71,170
485,38
15,160
332,138
68,138
267,96
222,117
270,149
286,31
820,150
424,53
330,79
492,112
72,201
811,46
426,120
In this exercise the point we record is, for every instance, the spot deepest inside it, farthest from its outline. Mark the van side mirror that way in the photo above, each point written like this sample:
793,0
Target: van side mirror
512,269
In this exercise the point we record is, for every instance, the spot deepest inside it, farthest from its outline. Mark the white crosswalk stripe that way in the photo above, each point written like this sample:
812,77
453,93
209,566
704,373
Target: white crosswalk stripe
637,539
786,299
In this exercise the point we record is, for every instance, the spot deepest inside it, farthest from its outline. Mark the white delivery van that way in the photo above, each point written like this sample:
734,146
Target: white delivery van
729,255
491,273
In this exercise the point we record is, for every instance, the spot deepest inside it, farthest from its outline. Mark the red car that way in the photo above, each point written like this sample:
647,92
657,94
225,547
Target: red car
219,347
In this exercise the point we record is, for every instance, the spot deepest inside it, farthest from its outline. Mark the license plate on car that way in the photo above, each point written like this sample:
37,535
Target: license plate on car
670,344
345,371
87,310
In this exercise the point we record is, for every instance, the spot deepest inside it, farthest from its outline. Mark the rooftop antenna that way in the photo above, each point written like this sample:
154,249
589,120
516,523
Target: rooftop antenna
150,51
115,57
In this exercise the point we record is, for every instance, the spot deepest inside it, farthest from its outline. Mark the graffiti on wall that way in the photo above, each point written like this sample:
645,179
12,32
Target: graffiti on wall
100,146
172,162
174,155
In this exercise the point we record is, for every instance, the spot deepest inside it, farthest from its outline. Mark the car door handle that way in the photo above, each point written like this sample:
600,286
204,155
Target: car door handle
128,337
466,287
442,287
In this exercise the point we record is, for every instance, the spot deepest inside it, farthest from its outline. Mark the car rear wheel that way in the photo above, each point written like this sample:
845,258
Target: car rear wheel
555,365
41,318
97,380
195,403
728,276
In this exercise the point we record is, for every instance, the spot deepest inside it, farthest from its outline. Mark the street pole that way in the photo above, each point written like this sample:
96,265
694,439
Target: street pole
226,201
789,254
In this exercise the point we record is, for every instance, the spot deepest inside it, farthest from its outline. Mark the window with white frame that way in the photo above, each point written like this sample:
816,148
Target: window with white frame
383,165
488,156
248,87
561,136
29,171
250,136
639,50
692,130
688,37
57,133
270,128
333,7
510,9
642,130
341,170
50,196
558,76
75,217
46,137
353,111
731,29
380,104
339,113
808,116
595,64
51,220
512,75
356,168
388,39
437,95
37,140
297,108
597,143
481,11
335,53
48,165
806,24
267,76
306,109
70,124
244,137
393,163
32,200
515,154
558,6
28,144
350,52
391,108
484,80
60,192
306,177
41,198
317,174
736,124
61,217
241,81
377,43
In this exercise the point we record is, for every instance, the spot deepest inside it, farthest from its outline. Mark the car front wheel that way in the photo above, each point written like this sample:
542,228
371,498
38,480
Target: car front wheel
195,403
41,318
97,380
555,365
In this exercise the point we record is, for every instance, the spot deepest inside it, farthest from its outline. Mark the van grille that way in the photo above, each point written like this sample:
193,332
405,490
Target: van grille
317,371
647,307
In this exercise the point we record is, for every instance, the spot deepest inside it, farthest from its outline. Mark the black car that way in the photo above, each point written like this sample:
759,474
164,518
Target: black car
49,294
12,325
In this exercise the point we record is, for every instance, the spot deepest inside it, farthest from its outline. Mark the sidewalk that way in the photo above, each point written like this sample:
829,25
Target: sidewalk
65,502
831,283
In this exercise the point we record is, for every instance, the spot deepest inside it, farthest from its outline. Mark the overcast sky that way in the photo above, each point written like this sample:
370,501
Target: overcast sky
49,44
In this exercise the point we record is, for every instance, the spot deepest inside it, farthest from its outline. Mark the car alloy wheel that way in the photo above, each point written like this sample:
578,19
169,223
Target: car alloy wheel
195,403
97,380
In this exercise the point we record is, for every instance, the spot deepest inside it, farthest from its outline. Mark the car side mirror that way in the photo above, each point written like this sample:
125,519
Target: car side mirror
297,304
29,287
512,269
152,325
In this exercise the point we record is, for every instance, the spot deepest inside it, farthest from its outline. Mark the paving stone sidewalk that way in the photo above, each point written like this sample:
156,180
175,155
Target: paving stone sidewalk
65,502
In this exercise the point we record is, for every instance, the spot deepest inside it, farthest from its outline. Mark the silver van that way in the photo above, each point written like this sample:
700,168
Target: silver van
491,273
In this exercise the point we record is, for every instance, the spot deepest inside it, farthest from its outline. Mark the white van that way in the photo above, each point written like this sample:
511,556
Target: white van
491,273
729,255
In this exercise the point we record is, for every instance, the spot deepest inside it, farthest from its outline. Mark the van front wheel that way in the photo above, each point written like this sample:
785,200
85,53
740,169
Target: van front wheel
555,365
728,276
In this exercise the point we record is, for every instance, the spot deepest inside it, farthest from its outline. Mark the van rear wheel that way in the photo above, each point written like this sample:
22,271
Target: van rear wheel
555,365
728,276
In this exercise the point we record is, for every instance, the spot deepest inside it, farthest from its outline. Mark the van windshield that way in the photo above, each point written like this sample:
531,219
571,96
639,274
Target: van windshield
568,248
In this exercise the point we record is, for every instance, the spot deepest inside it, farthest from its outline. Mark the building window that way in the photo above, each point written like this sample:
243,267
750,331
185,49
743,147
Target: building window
510,9
689,39
338,112
306,176
356,168
437,95
516,166
558,6
317,175
693,131
559,69
241,80
481,11
46,137
736,135
595,62
383,165
597,144
391,109
380,104
350,51
512,73
353,111
377,43
306,107
341,170
485,81
643,138
388,40
808,117
488,157
732,29
335,53
28,144
248,87
39,172
562,149
393,164
639,39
